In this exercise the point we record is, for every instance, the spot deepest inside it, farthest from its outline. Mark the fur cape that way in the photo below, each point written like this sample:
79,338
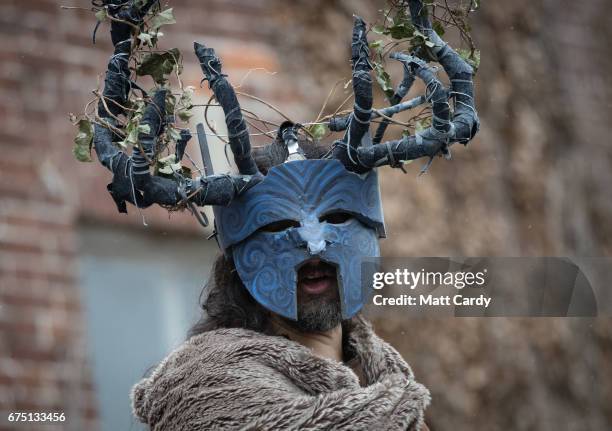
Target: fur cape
230,379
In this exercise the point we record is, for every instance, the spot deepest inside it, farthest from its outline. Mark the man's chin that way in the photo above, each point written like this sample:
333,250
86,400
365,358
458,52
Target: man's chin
318,316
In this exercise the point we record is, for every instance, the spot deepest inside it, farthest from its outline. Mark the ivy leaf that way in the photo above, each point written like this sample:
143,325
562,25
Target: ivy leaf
421,39
377,46
184,115
185,104
379,29
168,165
162,18
83,141
472,59
402,30
170,103
402,27
173,133
157,65
101,15
132,136
186,172
318,131
438,27
383,79
421,125
186,100
146,38
396,31
398,27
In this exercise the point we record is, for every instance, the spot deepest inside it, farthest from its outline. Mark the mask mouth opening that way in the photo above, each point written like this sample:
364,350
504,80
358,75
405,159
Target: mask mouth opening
316,276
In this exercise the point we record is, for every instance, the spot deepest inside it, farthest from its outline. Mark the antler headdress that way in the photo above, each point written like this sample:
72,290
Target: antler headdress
133,182
298,190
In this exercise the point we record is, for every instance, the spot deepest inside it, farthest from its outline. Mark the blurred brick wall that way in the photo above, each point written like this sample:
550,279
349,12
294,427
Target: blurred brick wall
48,67
533,183
43,364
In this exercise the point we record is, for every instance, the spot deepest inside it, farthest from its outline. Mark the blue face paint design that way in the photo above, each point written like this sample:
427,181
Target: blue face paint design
303,191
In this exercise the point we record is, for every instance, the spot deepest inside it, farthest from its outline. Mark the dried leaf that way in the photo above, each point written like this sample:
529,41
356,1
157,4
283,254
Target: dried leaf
83,141
101,15
403,30
377,46
318,131
184,114
162,18
158,65
168,165
170,103
379,29
438,27
146,38
173,133
473,59
421,125
383,79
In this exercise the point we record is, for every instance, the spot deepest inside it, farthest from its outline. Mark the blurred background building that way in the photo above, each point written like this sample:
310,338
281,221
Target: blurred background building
90,299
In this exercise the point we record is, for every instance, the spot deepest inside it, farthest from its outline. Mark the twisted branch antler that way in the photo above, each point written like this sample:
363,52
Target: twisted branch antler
132,180
448,127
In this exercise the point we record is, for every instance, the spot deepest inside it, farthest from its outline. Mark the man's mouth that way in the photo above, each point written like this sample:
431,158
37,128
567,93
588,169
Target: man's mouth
316,277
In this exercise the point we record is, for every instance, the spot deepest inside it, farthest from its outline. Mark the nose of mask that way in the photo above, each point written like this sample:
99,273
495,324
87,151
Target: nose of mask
312,233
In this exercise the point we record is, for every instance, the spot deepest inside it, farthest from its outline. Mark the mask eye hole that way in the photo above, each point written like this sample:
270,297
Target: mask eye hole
337,217
279,226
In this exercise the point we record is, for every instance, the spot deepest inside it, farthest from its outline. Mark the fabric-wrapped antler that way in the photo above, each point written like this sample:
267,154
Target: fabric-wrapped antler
359,119
448,127
132,179
224,92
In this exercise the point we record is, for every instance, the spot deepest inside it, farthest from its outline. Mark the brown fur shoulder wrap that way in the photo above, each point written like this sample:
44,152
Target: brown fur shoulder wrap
230,379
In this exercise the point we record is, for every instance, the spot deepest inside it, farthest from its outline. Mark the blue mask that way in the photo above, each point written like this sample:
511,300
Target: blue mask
304,192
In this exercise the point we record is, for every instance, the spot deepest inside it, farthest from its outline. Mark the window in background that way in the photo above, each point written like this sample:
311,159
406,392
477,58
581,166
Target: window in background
140,294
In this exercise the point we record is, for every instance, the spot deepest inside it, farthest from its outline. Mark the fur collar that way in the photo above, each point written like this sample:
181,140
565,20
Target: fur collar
242,379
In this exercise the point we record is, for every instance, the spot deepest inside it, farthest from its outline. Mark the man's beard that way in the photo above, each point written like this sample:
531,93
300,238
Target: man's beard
318,313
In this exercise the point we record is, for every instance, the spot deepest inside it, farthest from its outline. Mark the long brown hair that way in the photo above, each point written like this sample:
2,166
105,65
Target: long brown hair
226,303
